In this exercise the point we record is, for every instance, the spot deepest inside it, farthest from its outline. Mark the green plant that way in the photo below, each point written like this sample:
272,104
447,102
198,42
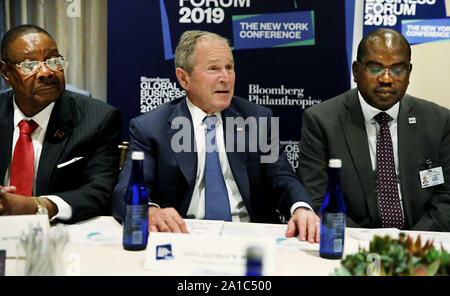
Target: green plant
387,256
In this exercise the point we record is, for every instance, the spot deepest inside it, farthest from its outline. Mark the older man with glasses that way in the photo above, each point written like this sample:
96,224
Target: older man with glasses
395,148
58,154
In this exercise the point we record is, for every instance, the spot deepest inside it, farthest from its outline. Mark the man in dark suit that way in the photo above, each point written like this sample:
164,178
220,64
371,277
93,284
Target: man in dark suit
382,187
255,182
66,163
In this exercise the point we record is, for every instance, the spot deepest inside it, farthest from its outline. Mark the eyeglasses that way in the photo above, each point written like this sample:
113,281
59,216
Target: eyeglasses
29,67
397,71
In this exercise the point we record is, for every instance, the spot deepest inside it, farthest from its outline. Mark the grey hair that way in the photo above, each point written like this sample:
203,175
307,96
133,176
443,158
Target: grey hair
185,51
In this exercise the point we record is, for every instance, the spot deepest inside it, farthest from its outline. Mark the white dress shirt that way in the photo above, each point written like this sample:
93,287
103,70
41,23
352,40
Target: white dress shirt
373,129
42,118
196,208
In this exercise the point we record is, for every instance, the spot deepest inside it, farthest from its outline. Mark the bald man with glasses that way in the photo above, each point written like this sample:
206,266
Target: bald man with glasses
58,151
395,148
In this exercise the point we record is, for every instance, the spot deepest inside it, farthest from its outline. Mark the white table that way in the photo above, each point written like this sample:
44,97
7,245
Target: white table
108,258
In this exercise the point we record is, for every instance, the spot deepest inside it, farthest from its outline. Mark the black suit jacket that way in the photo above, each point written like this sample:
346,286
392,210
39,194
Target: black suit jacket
78,127
336,129
170,177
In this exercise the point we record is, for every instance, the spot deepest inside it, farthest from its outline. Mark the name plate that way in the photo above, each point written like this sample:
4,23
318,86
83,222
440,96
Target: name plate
192,254
11,227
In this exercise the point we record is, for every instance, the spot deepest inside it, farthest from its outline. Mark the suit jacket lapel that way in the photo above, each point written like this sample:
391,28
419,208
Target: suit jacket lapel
356,136
237,159
6,132
186,160
59,129
409,146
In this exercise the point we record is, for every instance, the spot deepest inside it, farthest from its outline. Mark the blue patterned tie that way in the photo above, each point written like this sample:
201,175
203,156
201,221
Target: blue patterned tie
389,201
217,204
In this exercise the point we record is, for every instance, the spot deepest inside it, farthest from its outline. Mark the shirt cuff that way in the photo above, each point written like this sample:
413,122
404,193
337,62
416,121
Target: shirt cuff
153,204
64,209
300,204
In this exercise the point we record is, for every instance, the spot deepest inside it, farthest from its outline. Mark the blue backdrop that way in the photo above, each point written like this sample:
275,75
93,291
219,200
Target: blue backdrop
289,54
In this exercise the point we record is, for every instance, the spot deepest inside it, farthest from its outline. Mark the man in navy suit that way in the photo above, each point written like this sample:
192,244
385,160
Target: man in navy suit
73,159
174,137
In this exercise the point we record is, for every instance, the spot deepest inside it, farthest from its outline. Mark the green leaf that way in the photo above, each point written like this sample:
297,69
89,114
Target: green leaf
401,268
342,271
386,259
360,269
434,267
416,260
360,257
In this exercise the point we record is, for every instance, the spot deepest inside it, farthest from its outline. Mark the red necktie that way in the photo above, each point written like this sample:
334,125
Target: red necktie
22,167
389,200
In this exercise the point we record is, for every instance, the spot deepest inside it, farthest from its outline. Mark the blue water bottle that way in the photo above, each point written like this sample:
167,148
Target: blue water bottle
332,215
254,266
135,224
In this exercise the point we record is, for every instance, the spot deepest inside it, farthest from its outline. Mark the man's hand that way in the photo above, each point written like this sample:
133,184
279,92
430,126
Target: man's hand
304,224
165,220
13,204
7,189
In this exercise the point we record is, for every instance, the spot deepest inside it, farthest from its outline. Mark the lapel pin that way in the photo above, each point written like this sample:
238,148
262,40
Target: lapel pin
59,134
412,120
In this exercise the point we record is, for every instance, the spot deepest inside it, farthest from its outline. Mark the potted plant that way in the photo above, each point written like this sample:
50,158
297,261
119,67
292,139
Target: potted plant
388,257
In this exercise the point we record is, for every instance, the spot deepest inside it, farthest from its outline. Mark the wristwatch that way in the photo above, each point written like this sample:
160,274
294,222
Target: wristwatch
41,209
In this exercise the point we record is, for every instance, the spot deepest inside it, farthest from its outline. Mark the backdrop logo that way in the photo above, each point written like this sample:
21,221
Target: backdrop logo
157,91
197,12
273,30
207,11
291,148
279,96
423,31
385,12
164,252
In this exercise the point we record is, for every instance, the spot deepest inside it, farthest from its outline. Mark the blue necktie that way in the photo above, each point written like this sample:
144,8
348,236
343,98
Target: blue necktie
217,204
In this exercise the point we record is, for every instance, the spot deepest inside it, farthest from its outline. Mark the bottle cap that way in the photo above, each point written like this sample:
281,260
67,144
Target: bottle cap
137,155
254,253
335,163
